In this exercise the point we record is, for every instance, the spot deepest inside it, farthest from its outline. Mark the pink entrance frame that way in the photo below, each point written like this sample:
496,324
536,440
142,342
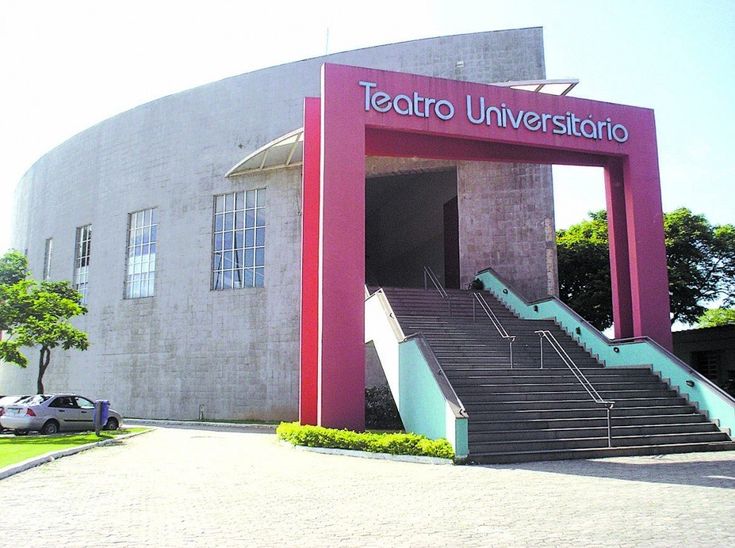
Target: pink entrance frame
339,131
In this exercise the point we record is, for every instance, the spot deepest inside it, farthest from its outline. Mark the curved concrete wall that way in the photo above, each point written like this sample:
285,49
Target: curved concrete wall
234,351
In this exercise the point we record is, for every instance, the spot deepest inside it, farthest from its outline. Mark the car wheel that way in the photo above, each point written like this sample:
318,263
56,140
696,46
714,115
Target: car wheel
20,432
112,424
51,427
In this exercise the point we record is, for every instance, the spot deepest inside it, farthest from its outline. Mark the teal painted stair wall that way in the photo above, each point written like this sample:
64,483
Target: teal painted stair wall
426,401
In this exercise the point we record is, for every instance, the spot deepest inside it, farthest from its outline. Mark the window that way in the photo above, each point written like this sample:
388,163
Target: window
81,260
64,402
141,254
83,403
238,257
47,258
34,400
707,362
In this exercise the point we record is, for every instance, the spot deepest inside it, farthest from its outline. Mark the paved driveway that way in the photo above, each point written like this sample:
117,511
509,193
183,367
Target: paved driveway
176,487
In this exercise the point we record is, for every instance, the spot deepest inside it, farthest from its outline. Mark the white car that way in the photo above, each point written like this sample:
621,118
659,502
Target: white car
8,400
52,413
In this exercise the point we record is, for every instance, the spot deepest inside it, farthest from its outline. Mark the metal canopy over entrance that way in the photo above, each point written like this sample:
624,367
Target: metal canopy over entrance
369,112
550,87
286,151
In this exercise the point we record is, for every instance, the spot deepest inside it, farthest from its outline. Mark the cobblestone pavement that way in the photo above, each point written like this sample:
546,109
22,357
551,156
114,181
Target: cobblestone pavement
175,487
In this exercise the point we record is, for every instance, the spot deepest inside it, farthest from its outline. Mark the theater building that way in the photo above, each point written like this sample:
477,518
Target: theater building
223,236
192,278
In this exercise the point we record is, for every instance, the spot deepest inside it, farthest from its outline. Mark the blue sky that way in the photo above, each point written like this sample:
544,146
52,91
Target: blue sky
67,65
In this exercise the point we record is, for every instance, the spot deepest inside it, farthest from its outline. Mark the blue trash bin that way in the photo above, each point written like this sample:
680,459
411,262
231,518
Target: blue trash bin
101,413
104,412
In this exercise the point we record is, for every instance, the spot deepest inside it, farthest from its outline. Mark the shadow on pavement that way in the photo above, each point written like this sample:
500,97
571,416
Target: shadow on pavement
211,426
718,473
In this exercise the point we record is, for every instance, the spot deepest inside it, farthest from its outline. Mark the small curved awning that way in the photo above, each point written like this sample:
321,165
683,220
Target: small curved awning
551,87
286,151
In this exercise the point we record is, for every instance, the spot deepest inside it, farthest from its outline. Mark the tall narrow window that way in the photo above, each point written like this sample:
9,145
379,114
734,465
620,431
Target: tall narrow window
238,256
47,258
141,257
81,260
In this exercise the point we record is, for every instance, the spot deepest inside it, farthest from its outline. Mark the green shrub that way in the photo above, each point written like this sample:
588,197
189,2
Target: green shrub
381,412
395,444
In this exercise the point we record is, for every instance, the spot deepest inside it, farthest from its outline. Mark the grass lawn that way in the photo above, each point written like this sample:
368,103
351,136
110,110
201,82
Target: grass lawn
17,449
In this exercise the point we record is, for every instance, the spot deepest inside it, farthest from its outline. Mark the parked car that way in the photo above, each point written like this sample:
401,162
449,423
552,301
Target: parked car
7,400
52,413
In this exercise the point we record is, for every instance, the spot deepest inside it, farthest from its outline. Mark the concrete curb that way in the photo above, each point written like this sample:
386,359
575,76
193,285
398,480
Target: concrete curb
50,457
368,455
238,427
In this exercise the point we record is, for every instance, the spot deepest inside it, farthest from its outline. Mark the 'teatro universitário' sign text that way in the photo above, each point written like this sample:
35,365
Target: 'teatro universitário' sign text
478,112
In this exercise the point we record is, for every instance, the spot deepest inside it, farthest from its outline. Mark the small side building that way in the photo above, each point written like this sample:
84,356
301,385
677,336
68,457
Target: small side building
711,351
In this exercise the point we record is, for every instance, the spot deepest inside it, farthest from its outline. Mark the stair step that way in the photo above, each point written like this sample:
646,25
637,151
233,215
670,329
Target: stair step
498,425
464,378
522,372
479,363
570,454
473,386
583,413
481,436
596,442
577,394
468,352
478,407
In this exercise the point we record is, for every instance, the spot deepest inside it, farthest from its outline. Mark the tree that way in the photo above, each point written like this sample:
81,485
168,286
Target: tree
701,266
13,267
584,269
701,261
716,317
36,314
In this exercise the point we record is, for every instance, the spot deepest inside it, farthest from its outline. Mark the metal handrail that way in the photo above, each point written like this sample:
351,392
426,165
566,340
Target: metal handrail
494,320
429,275
583,380
596,332
388,311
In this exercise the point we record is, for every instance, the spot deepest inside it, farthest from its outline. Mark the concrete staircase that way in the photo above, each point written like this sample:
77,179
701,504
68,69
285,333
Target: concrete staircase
526,413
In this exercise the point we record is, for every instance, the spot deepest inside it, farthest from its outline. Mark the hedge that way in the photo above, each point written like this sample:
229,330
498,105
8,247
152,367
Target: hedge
395,444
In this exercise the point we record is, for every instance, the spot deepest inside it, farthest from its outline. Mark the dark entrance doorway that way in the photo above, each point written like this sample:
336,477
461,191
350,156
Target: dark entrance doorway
411,221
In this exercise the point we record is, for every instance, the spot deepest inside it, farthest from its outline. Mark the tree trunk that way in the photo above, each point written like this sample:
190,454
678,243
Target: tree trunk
44,357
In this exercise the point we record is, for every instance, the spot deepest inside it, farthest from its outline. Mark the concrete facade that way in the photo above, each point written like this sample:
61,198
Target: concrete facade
236,352
507,220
